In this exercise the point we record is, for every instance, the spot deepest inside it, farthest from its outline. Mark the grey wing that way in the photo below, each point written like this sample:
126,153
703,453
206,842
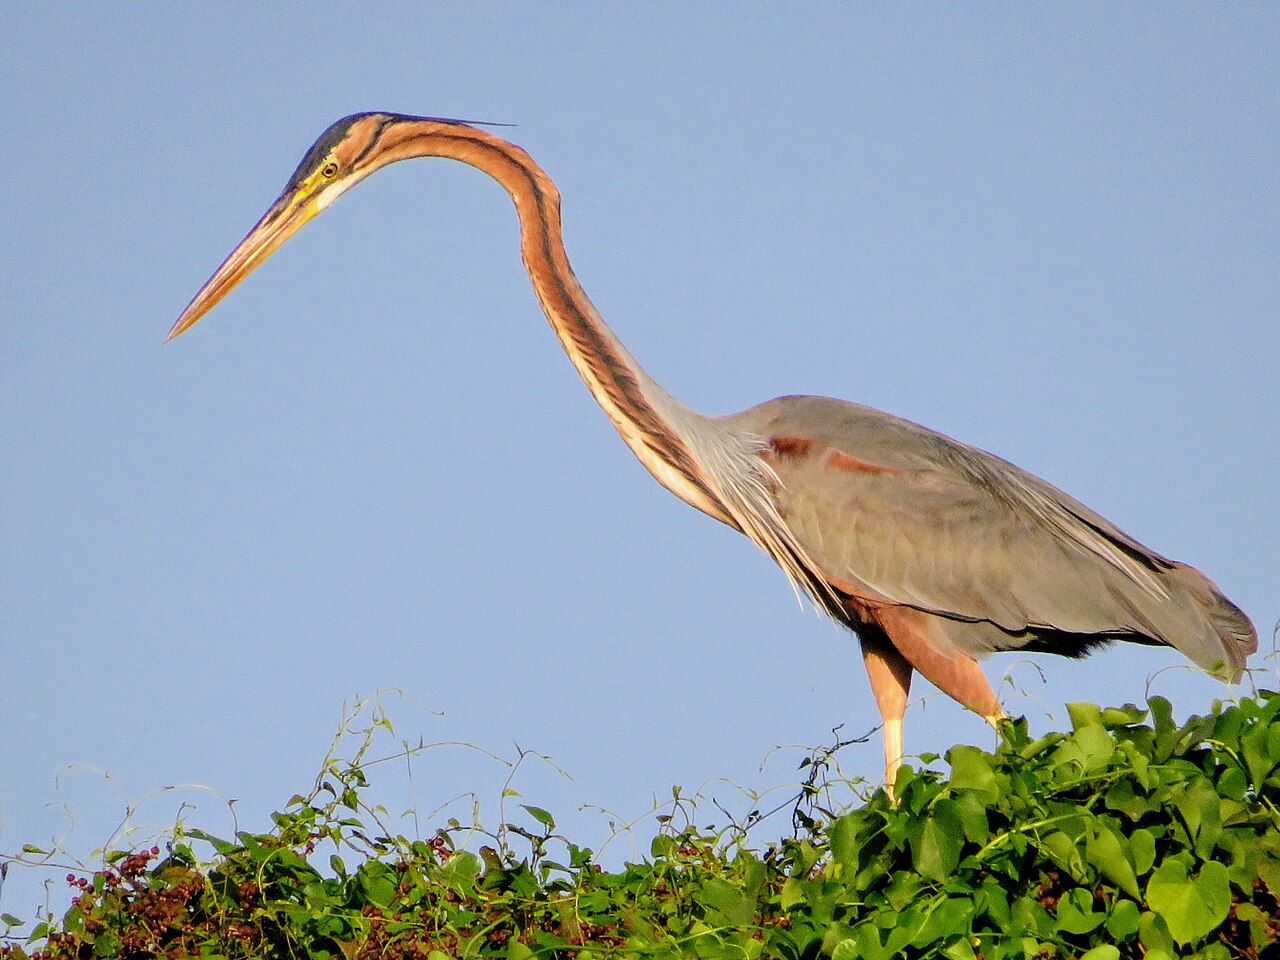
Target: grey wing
914,517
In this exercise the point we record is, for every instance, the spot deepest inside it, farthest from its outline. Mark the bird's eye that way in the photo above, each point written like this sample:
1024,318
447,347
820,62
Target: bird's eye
329,170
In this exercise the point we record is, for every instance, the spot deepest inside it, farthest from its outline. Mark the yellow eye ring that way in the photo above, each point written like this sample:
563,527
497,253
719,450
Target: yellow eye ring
329,170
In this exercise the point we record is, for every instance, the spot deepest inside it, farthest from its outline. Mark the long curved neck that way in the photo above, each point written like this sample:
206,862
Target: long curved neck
654,425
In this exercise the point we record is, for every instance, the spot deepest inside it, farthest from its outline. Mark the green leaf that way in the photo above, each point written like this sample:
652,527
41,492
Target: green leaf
1190,907
1084,714
1142,848
380,890
1260,747
1088,748
1123,716
846,950
1076,913
542,816
947,919
959,949
1153,934
1139,762
663,847
1123,921
459,871
844,843
1063,851
936,842
728,900
1199,806
1104,952
971,769
793,892
1232,784
972,811
1105,851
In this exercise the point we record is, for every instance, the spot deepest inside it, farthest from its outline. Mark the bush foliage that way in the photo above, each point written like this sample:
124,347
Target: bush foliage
1129,836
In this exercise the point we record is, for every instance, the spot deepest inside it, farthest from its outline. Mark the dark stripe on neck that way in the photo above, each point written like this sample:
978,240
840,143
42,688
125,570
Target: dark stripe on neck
611,370
383,123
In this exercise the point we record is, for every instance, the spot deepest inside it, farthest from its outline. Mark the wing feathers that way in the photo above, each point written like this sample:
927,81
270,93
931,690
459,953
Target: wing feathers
924,521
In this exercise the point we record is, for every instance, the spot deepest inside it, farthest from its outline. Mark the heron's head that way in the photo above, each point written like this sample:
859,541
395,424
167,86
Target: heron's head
344,155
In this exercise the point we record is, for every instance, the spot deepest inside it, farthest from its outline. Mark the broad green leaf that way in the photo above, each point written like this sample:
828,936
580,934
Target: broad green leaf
1084,714
1104,952
793,892
1190,907
864,945
971,769
1166,731
1198,805
834,934
1269,870
542,816
751,881
972,811
1142,848
1088,748
549,940
1105,851
459,871
727,899
903,888
1123,716
1121,799
1232,784
1063,851
936,842
947,919
1245,911
1123,921
1260,748
1259,921
844,843
1153,934
1076,913
1139,762
380,890
993,900
960,949
663,847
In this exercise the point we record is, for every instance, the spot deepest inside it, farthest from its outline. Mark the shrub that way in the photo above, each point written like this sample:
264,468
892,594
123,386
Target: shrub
1127,836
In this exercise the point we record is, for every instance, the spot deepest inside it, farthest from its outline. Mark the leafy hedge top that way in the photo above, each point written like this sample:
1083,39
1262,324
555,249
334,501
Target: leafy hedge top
1128,836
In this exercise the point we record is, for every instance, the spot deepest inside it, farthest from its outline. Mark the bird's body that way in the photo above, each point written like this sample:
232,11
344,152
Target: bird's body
934,552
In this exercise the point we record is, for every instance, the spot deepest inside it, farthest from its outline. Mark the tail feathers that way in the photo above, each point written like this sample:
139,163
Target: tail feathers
1232,639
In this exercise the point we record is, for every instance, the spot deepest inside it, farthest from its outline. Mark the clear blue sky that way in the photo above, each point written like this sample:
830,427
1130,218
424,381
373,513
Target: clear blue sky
1052,233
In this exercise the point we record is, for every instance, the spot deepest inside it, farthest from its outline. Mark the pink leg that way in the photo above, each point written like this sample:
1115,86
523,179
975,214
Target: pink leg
957,675
890,676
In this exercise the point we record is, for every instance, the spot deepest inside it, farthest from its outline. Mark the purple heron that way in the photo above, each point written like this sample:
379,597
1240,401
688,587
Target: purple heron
934,552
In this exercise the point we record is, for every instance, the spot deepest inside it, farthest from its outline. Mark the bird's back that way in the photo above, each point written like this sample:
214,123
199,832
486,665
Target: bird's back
892,511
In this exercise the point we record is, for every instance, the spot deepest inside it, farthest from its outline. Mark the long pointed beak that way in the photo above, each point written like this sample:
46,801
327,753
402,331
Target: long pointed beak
284,218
